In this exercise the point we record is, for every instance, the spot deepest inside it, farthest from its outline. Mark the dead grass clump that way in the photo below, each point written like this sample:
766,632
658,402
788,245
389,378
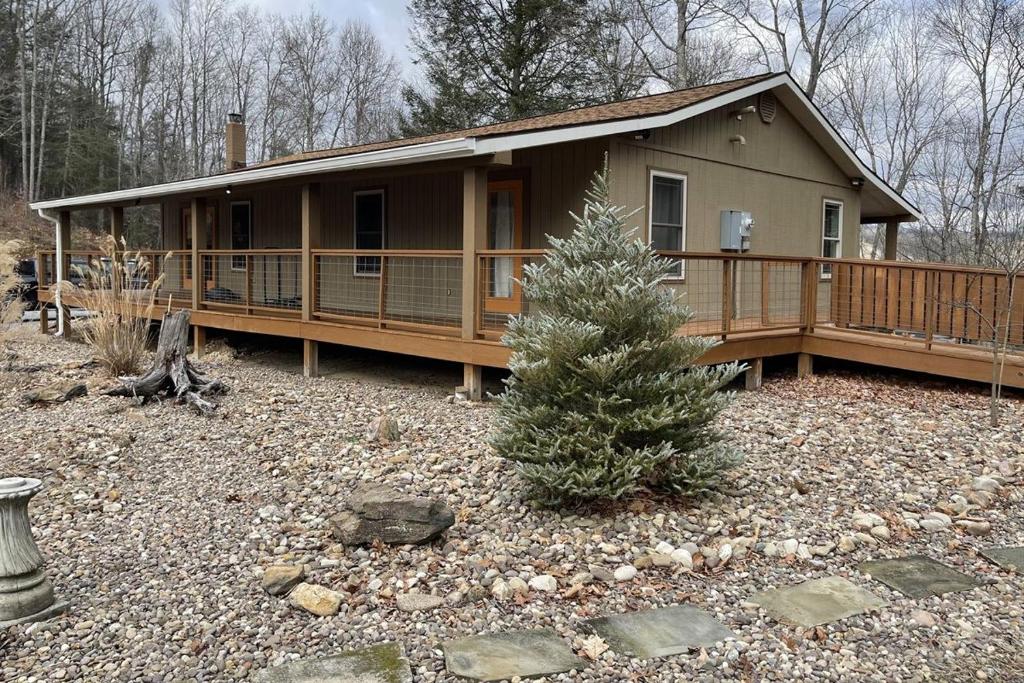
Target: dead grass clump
120,295
11,303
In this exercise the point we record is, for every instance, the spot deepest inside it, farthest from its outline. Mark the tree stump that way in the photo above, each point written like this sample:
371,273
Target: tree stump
172,375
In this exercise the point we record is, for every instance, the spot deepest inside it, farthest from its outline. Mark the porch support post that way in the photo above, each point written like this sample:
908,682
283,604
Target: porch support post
474,238
804,365
892,229
311,239
117,233
198,230
753,374
63,262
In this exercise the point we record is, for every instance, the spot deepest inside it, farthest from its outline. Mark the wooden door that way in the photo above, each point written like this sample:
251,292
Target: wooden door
211,243
504,231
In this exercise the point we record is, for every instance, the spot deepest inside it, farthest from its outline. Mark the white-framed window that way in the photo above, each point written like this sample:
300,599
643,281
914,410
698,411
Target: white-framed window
241,232
368,222
831,234
666,228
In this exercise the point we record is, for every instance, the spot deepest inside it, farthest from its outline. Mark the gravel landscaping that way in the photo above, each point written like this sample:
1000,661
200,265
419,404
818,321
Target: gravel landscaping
158,525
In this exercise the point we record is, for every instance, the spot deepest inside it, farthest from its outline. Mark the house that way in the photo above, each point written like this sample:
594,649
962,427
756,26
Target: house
414,245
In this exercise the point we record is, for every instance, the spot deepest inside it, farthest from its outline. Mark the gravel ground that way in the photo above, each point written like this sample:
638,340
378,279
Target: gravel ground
157,525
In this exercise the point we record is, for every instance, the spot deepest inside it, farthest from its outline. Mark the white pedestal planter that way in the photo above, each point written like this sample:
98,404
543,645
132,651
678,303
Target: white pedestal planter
25,592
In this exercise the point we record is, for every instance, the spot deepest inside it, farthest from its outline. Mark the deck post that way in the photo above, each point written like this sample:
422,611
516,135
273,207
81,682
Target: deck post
198,230
473,381
474,239
892,230
63,264
199,341
310,358
753,375
117,233
311,239
804,365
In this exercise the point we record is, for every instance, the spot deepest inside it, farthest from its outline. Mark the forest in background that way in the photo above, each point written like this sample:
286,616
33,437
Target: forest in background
97,95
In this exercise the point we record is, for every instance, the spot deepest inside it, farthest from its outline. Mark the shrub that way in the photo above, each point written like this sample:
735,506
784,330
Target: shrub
604,398
117,291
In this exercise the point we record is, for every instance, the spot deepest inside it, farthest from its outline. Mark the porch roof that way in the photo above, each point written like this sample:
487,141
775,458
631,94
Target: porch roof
879,201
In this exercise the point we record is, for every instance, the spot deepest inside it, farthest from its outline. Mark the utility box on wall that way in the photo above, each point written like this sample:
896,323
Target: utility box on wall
736,228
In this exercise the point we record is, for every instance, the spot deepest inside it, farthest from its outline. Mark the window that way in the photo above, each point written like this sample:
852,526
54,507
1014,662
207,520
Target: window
667,229
831,234
241,232
368,212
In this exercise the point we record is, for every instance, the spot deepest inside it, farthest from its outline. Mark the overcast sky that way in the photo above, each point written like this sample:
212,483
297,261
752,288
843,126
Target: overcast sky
388,18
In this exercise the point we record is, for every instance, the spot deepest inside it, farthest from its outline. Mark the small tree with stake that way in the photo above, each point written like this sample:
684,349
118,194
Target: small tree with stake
605,398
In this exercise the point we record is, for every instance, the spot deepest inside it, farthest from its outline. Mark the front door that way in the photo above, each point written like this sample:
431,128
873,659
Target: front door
211,242
504,231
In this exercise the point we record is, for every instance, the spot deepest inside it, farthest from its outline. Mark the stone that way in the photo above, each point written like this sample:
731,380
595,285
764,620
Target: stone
418,602
664,548
881,533
1010,558
917,576
975,528
323,602
660,560
500,590
385,663
26,594
683,558
817,602
725,553
625,573
932,525
581,579
384,429
922,618
278,579
987,484
659,632
511,654
59,392
601,573
847,545
544,583
863,521
518,586
377,512
790,546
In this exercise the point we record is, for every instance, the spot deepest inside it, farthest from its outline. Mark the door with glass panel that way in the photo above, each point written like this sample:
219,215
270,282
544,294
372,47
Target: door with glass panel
504,231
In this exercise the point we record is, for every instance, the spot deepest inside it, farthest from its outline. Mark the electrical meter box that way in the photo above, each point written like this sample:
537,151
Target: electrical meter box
736,227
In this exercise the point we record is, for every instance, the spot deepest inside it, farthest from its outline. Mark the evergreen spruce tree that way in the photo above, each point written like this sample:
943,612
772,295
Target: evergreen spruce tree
604,397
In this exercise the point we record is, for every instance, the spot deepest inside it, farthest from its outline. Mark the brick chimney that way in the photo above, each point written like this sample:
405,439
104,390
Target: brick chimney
234,152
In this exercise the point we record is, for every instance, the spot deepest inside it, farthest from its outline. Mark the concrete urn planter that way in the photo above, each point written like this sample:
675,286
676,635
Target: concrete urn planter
25,592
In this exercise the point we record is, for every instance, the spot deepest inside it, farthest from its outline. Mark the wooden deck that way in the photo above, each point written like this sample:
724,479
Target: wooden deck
921,317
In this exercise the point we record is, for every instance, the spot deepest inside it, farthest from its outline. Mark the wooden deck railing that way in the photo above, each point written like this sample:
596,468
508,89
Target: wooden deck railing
731,295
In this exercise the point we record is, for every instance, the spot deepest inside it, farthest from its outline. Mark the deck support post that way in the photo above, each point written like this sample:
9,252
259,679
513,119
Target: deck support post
473,381
44,318
310,358
474,238
804,365
199,341
198,230
117,234
311,239
753,375
63,263
892,230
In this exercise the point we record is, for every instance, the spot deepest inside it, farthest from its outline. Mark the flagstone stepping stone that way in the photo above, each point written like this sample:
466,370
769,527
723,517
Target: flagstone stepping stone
917,576
817,602
384,663
659,632
1010,559
499,656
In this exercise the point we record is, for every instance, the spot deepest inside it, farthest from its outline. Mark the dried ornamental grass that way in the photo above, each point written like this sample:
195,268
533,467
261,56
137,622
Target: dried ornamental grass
11,303
119,292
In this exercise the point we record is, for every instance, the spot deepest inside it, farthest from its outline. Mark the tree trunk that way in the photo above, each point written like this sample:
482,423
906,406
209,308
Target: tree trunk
172,375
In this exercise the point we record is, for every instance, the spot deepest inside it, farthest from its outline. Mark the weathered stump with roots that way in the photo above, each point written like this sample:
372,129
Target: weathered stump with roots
172,375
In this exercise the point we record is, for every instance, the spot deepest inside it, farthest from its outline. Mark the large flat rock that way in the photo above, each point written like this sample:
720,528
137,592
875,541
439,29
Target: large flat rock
659,632
384,663
817,602
500,656
917,576
1010,558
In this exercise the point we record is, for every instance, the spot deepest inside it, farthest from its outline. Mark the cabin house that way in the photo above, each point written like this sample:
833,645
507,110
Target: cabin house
414,245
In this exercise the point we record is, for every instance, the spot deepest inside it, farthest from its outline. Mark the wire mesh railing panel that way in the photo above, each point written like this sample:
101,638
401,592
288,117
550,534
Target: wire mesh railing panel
499,293
701,290
173,273
347,285
218,284
765,294
423,290
274,280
